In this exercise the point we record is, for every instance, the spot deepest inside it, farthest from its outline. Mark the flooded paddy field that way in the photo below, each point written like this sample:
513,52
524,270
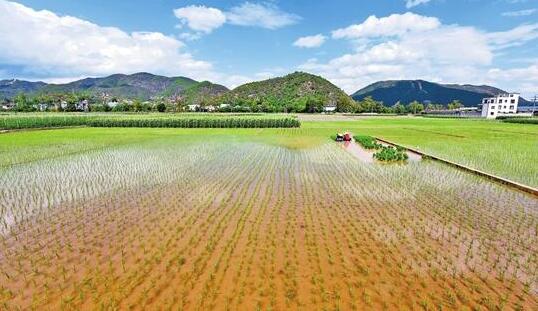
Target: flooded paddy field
244,224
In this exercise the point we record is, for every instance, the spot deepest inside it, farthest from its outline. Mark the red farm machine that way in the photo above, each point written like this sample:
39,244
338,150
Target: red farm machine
343,137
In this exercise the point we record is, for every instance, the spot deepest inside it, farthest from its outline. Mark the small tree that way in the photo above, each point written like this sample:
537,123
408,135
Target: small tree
398,108
345,104
368,104
137,106
455,104
161,107
22,103
313,104
415,107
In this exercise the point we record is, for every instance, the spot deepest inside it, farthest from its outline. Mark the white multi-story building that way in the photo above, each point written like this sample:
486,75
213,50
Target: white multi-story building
502,104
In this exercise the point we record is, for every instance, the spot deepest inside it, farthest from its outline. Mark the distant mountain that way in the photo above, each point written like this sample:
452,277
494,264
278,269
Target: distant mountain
139,85
292,92
10,88
298,91
406,91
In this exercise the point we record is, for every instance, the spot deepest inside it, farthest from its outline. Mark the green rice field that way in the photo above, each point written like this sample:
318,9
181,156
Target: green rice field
503,149
268,218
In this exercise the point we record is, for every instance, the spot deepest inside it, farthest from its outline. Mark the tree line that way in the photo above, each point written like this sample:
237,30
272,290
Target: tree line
369,105
71,102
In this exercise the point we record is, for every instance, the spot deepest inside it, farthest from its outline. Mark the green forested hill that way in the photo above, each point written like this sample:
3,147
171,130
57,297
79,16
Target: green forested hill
139,85
136,86
296,92
202,93
406,91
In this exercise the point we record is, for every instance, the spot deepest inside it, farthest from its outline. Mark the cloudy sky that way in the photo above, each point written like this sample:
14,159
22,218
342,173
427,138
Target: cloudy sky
351,42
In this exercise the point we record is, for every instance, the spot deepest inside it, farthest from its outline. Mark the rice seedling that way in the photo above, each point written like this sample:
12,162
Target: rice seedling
391,154
367,142
244,224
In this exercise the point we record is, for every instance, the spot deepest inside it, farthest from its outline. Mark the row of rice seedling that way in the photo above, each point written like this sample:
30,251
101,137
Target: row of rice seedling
10,122
391,154
384,153
178,225
367,142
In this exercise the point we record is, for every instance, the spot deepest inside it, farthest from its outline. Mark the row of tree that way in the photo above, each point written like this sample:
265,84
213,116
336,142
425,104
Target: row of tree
24,103
72,102
369,105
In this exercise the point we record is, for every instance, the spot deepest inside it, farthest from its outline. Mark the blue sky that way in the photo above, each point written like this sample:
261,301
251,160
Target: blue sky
352,43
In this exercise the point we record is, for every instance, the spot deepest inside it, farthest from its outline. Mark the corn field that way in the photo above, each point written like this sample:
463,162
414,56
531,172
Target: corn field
245,226
22,121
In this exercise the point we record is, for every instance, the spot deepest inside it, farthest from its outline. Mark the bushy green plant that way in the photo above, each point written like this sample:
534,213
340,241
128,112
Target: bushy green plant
391,154
367,142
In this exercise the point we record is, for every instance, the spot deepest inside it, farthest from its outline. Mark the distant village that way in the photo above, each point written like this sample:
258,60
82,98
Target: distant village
74,102
501,105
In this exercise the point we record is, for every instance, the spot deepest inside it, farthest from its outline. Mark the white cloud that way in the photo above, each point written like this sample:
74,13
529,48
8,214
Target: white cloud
44,44
200,18
393,25
513,37
264,15
310,41
410,46
411,3
268,73
526,79
519,13
203,20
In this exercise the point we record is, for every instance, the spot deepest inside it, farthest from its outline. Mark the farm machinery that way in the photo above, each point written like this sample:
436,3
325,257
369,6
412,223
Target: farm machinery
343,137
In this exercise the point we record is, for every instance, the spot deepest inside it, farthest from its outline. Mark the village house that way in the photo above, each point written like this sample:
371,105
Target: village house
8,106
42,106
194,107
500,105
112,104
83,105
329,108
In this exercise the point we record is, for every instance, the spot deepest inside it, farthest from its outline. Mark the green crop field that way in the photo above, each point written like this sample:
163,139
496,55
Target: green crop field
267,218
504,149
185,120
507,150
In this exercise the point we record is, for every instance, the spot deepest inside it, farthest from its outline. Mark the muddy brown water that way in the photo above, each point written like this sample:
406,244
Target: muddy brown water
358,151
252,226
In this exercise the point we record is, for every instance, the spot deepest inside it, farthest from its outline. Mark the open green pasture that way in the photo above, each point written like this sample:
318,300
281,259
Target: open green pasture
508,150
